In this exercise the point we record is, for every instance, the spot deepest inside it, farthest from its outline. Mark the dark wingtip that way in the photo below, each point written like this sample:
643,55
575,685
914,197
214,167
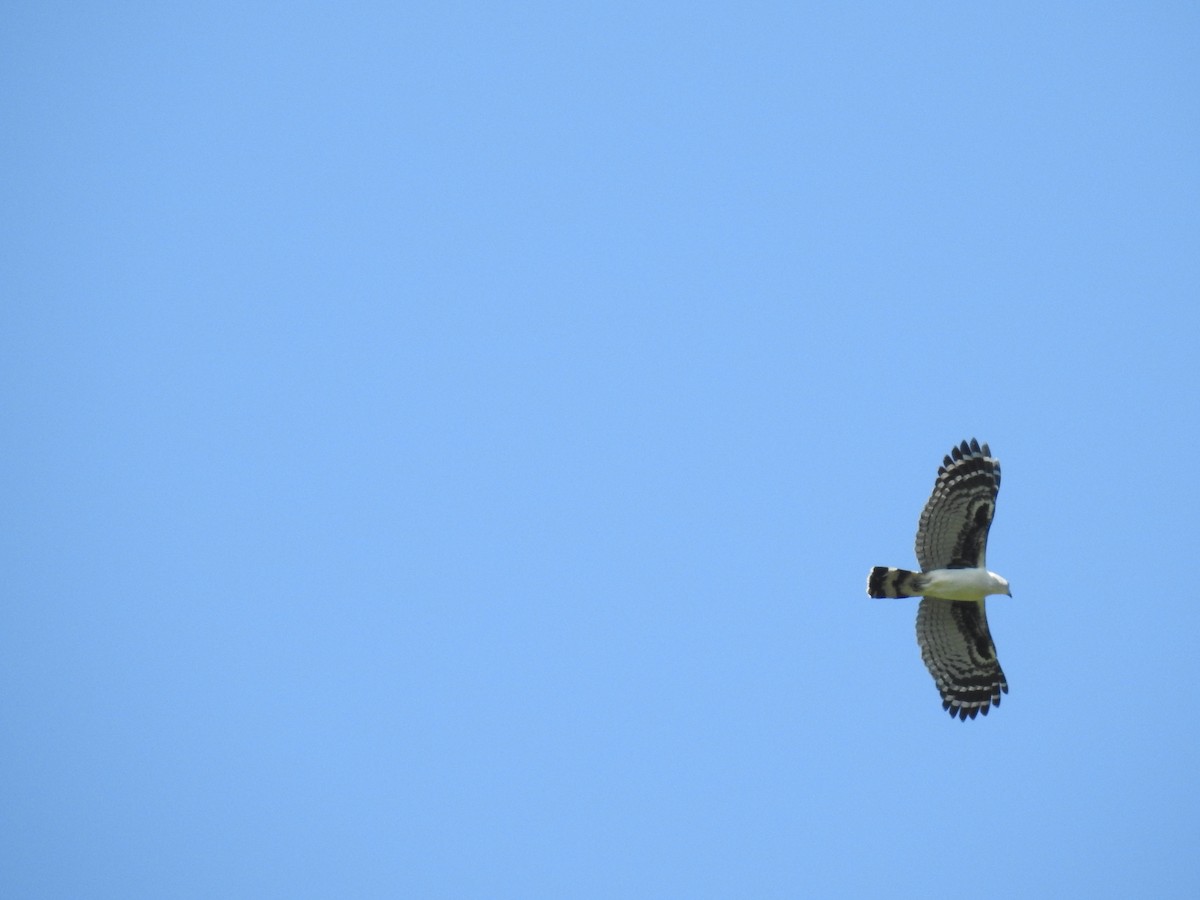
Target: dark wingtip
962,712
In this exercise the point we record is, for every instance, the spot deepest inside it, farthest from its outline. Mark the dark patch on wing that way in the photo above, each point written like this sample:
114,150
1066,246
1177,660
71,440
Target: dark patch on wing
972,540
974,627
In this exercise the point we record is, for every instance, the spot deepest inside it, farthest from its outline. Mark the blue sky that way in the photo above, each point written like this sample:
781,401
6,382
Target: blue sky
447,443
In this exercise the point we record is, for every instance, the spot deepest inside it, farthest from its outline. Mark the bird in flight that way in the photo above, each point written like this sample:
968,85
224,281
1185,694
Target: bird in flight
952,627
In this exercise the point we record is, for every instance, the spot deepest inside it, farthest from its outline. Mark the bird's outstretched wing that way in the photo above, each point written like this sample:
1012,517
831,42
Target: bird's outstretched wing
958,651
953,530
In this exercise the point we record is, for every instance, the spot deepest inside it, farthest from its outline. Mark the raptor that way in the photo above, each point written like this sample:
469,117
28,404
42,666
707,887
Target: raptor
952,627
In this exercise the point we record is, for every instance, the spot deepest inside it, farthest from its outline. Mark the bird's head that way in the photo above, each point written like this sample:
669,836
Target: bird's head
1000,585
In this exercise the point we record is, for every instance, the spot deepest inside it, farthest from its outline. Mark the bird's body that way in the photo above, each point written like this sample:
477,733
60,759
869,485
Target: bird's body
952,629
943,584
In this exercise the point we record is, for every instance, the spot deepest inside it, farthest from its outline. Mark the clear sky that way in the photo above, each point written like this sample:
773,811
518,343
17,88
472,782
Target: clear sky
446,444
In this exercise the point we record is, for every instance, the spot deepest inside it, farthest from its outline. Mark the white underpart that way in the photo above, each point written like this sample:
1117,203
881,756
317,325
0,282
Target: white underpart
963,584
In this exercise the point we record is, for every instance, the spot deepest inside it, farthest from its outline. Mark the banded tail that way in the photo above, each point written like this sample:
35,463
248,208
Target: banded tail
887,582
